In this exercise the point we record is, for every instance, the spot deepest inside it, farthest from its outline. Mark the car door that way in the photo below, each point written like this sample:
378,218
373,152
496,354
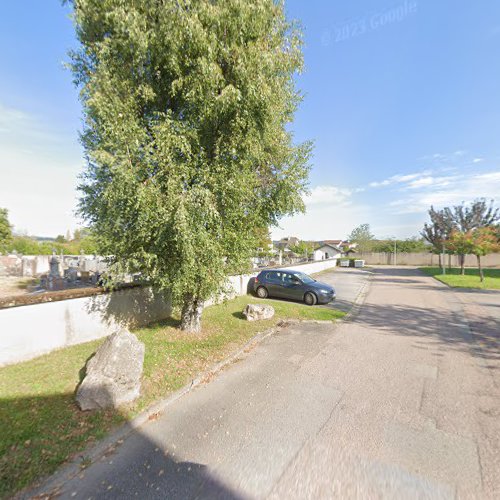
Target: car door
273,283
292,287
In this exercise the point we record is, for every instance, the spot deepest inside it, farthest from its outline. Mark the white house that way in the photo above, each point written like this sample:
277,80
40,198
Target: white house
327,251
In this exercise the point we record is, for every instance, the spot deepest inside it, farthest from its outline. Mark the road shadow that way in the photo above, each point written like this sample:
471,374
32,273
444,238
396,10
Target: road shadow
132,467
446,328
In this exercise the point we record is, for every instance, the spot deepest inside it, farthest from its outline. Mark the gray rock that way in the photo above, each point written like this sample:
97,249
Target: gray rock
114,374
255,312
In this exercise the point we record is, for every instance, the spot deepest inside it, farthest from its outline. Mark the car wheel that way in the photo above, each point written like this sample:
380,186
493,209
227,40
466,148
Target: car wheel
310,299
262,292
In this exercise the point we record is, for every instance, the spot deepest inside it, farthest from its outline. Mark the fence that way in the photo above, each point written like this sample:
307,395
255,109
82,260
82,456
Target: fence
425,259
31,330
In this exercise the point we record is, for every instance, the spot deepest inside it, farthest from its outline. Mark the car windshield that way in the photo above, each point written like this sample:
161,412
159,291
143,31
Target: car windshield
304,278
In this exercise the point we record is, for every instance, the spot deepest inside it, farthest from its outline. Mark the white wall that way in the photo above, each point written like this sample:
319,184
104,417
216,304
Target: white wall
31,330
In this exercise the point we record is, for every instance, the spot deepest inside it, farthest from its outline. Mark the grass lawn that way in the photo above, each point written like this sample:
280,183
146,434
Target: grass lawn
469,280
41,427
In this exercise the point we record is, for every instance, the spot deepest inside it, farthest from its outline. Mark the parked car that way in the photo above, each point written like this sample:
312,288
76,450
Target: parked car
295,285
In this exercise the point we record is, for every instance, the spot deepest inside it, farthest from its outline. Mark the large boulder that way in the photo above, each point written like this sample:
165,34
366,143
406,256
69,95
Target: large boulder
255,312
113,375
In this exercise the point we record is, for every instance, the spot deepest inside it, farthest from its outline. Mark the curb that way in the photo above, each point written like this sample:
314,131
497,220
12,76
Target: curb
51,485
360,299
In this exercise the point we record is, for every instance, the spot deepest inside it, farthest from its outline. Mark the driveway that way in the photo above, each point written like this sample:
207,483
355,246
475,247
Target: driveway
400,402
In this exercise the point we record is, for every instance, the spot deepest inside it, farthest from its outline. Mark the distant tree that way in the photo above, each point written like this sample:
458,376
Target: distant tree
460,243
439,229
409,245
462,218
262,240
60,239
5,229
363,238
303,248
187,107
484,241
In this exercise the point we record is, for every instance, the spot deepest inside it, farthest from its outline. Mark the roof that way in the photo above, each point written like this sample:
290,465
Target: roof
329,246
333,242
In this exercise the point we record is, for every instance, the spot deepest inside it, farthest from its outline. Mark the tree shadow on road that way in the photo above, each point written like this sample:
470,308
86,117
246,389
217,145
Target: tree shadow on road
447,328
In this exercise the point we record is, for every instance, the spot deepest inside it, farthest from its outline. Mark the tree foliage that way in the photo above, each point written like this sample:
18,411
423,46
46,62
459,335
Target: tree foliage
186,110
5,229
439,229
26,245
484,240
409,245
464,229
303,248
363,238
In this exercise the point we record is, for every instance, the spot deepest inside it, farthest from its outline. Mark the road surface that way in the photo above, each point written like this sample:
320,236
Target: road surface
403,401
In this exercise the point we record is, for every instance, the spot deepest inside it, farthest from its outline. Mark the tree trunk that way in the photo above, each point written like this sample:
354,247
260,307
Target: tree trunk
191,314
462,264
440,266
481,275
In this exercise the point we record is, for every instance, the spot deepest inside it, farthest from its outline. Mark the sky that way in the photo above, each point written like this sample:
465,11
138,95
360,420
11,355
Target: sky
401,100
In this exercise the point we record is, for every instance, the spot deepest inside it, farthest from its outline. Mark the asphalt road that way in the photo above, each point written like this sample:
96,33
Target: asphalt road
403,401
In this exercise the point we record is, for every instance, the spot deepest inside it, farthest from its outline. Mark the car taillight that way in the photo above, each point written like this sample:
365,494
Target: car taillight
256,280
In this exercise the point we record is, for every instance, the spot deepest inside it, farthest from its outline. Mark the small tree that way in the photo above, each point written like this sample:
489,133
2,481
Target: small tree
303,248
187,107
439,229
484,241
462,218
460,243
363,238
5,229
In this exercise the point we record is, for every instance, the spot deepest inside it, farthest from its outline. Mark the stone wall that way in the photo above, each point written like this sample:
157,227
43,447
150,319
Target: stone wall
31,330
425,259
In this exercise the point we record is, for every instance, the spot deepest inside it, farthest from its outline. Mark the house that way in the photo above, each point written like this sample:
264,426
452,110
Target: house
286,243
327,251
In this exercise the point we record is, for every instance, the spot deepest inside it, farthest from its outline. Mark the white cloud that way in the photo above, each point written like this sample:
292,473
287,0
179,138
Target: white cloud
399,179
449,191
321,195
477,160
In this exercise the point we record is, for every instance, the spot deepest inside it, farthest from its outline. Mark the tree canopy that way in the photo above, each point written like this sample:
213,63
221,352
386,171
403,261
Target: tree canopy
188,151
363,238
5,228
464,229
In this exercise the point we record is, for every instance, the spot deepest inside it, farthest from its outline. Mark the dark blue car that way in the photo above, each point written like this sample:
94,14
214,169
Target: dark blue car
290,284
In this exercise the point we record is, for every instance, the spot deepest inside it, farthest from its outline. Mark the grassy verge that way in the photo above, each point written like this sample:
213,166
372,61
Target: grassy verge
469,280
42,427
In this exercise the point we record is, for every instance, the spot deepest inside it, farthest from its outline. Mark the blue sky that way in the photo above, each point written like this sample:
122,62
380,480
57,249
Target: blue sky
402,100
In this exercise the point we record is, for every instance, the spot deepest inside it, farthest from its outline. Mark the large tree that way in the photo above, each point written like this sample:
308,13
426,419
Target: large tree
186,108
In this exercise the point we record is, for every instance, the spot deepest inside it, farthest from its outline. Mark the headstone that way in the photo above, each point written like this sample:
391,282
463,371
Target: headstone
256,312
114,374
54,269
